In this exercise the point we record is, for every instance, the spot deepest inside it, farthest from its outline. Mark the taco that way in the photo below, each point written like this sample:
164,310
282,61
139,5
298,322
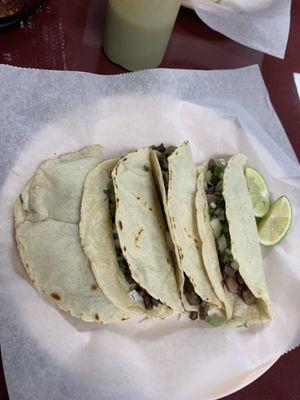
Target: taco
231,250
176,177
123,234
46,222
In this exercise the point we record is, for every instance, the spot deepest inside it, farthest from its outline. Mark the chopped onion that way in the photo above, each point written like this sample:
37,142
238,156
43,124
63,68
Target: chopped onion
134,296
216,227
214,312
222,162
222,244
213,204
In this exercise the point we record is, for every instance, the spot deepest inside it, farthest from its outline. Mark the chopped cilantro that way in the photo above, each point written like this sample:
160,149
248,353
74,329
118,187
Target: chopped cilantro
227,255
219,186
218,172
170,150
216,321
165,175
110,191
211,211
21,199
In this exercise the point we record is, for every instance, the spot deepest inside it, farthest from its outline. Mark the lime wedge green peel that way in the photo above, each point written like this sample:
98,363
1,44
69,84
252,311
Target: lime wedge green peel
274,226
258,191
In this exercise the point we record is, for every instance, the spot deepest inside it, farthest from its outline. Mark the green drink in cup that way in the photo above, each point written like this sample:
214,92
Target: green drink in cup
137,32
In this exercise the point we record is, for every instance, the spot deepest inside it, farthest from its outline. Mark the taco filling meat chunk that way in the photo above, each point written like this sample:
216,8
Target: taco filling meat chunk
136,290
193,299
216,205
163,154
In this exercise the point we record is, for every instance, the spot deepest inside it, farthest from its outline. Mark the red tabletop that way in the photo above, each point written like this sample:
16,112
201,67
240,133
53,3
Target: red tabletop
67,35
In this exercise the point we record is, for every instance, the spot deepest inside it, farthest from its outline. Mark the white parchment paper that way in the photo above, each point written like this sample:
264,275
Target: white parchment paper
48,355
260,24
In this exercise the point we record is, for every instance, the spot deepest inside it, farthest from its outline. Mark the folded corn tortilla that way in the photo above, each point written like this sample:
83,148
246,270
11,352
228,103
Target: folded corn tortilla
245,246
180,210
97,238
47,234
142,230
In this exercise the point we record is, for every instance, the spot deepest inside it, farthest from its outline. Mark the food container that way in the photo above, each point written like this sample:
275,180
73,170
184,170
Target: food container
137,32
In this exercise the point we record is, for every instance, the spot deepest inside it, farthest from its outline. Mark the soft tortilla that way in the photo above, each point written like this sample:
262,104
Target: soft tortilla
48,239
209,251
244,243
180,209
96,233
143,234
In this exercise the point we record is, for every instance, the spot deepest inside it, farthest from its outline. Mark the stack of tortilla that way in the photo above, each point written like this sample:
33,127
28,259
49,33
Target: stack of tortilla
106,240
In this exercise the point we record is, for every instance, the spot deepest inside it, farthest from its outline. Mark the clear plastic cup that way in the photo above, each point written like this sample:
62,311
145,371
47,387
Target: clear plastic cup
137,32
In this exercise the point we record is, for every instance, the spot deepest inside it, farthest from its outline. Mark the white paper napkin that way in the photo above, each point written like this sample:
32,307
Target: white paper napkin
260,24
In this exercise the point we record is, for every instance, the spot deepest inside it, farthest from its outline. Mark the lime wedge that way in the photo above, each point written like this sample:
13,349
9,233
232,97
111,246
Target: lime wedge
258,191
274,226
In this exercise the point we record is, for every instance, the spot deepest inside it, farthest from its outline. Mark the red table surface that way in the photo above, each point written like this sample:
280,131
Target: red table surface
67,35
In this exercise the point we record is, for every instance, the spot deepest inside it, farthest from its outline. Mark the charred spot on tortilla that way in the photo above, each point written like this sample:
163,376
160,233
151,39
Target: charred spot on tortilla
97,316
146,168
150,209
56,296
136,196
120,225
124,159
180,252
188,234
93,286
137,238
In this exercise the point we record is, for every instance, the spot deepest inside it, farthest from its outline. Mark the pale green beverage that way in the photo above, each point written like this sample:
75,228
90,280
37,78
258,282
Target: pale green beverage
137,32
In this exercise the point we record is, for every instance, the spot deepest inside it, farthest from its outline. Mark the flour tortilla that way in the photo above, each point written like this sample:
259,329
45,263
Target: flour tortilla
96,233
143,234
46,222
245,246
180,210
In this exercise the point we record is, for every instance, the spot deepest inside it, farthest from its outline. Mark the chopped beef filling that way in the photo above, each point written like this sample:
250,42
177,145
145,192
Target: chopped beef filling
149,301
191,296
194,300
163,154
216,207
